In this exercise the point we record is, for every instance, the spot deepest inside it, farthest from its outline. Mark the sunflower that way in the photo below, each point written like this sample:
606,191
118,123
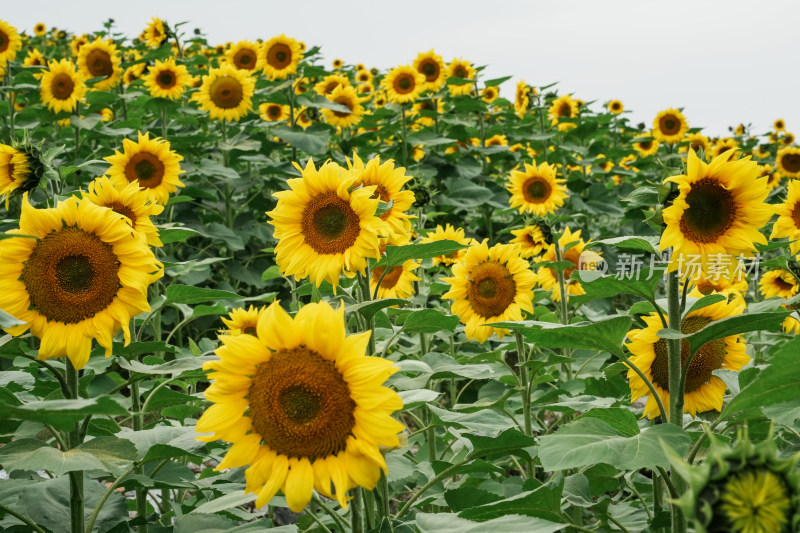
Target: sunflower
762,151
723,145
77,42
704,391
780,283
323,227
791,325
380,99
490,285
167,79
84,276
431,65
330,82
34,58
243,321
155,34
547,278
40,29
788,223
772,175
788,161
279,57
563,107
670,126
100,59
10,42
344,96
151,162
303,406
128,201
403,84
489,94
532,239
243,55
647,146
61,86
451,234
522,98
697,142
364,76
732,289
719,210
226,93
460,68
779,125
397,283
20,171
787,139
302,119
272,112
337,64
615,107
536,190
497,140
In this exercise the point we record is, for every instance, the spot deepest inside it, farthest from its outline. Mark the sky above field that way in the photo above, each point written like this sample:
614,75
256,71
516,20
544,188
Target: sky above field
724,62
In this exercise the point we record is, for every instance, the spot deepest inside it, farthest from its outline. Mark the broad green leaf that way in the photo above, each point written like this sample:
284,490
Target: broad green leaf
188,294
462,498
222,503
397,255
509,442
429,321
605,335
60,413
8,321
737,324
633,280
646,243
162,442
444,366
450,523
487,422
311,143
170,235
174,367
543,502
109,454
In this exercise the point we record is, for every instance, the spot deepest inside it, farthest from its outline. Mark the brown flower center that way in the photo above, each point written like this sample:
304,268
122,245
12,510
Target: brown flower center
347,102
62,86
711,212
330,225
98,62
791,162
166,79
404,84
4,41
430,69
536,190
279,56
245,59
124,210
390,279
226,92
491,289
669,125
145,167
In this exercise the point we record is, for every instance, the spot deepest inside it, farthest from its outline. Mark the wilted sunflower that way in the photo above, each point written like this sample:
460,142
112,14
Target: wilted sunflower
323,227
279,57
788,223
242,321
780,283
547,278
272,112
100,59
460,68
522,98
431,65
303,406
647,146
61,86
704,391
788,161
226,93
244,55
447,233
490,285
40,29
20,170
10,42
532,239
129,201
670,126
84,276
563,107
403,84
151,163
389,182
167,79
344,96
615,107
154,33
719,210
397,283
536,190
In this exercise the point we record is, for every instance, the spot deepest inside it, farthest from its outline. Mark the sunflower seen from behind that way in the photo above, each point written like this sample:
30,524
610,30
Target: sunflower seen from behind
128,201
100,59
279,57
670,126
303,405
62,87
83,277
167,79
226,93
490,285
403,84
536,190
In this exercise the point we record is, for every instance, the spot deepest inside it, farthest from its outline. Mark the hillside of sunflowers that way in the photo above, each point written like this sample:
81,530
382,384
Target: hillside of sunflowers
246,288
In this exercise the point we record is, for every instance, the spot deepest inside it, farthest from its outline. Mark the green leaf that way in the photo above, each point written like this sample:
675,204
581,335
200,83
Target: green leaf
496,81
444,366
171,235
543,502
636,282
509,442
737,324
369,308
397,255
645,243
9,321
311,143
605,335
60,413
109,454
163,442
450,523
188,294
429,321
415,397
272,272
222,503
428,138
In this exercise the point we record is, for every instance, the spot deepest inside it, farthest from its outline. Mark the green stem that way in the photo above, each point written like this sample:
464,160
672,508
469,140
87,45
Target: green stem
674,350
526,393
138,425
563,301
433,481
106,495
10,98
383,488
357,511
405,147
339,519
75,478
164,121
22,518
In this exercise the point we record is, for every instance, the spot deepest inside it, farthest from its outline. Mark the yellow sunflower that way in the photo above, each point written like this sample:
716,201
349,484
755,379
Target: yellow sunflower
735,289
532,239
780,283
563,107
151,163
723,145
61,86
490,94
647,146
100,59
272,112
330,82
364,76
226,93
431,65
787,139
345,96
522,98
536,190
403,84
167,79
154,33
40,29
397,283
779,125
302,118
670,126
303,406
10,42
772,175
791,325
244,55
323,227
490,285
34,58
704,391
697,142
547,278
243,321
788,161
497,140
762,152
788,223
615,107
460,68
447,233
130,202
77,42
84,276
719,210
337,64
279,57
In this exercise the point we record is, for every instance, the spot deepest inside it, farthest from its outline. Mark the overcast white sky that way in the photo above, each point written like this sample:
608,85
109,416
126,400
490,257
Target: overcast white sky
723,61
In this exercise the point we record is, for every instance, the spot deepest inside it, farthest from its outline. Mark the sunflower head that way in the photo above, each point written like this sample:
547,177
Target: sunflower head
780,283
532,239
279,57
615,107
21,169
244,55
403,84
779,125
10,42
723,145
788,161
100,59
167,79
62,87
448,232
40,29
522,98
697,142
646,146
670,126
345,96
572,246
130,202
241,321
226,93
431,65
155,33
563,107
462,69
536,190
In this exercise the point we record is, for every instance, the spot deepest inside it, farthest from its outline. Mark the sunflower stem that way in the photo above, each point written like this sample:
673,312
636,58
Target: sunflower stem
138,424
164,121
385,509
357,511
122,99
674,350
77,132
290,97
405,148
563,301
522,357
75,478
10,98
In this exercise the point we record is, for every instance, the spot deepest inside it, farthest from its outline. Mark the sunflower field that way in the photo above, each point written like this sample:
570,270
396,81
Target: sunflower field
244,288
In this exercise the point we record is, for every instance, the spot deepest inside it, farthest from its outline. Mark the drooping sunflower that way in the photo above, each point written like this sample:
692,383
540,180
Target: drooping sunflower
547,278
345,96
128,201
536,190
563,107
779,282
532,239
20,170
61,86
155,34
522,98
279,57
151,163
403,84
447,233
647,146
226,93
397,283
244,55
490,285
323,227
431,65
10,42
788,161
670,126
242,321
719,210
84,276
303,406
460,68
788,223
615,107
723,145
704,391
100,59
167,79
